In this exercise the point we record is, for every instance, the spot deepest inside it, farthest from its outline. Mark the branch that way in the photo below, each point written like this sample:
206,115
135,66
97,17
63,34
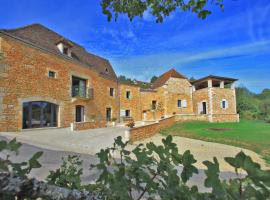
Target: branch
14,185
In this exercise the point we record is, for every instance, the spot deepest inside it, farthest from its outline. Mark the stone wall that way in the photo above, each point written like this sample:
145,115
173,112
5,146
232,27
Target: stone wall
226,118
146,102
26,79
78,126
178,89
142,132
133,103
220,94
200,96
191,117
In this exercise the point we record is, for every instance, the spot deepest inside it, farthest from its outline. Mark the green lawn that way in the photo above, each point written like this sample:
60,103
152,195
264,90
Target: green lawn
253,135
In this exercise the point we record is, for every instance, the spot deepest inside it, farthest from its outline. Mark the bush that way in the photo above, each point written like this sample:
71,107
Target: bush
146,172
131,124
69,174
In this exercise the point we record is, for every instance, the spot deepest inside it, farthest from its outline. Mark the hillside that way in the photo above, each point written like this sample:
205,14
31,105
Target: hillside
253,106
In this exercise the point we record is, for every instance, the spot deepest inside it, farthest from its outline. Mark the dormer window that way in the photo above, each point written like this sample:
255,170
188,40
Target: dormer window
65,51
64,47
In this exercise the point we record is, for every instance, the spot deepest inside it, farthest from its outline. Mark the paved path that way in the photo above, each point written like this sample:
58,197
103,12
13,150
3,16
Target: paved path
63,139
207,150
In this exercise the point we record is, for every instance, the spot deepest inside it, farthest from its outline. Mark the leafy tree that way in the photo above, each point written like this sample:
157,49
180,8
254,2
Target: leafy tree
253,106
158,9
153,79
124,79
192,79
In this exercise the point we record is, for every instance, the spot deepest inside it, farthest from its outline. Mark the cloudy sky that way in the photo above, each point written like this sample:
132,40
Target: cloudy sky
234,43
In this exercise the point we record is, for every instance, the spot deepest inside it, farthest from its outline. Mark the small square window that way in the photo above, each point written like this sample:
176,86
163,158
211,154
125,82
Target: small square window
111,92
52,74
128,96
127,113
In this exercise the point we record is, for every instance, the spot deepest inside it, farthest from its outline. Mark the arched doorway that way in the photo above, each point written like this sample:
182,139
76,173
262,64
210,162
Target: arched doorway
39,114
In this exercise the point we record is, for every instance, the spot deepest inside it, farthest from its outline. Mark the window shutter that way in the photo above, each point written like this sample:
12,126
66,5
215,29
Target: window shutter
184,103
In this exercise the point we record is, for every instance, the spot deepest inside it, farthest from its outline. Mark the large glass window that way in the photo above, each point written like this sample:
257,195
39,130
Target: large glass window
39,114
78,87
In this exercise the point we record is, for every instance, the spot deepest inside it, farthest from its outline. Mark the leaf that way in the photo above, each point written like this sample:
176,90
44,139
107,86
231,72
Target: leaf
188,170
3,145
13,145
33,162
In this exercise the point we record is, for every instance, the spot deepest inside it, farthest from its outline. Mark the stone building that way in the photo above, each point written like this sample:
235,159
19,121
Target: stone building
46,80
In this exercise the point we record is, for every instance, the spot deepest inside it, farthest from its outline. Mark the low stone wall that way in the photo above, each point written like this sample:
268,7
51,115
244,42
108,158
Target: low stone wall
142,132
78,126
226,118
191,117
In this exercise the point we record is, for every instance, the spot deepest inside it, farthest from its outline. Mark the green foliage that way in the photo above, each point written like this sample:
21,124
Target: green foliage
251,106
153,79
152,172
68,175
21,169
146,171
158,9
124,79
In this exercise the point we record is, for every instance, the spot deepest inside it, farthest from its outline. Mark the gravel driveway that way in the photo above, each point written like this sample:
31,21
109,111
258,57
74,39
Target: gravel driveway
63,139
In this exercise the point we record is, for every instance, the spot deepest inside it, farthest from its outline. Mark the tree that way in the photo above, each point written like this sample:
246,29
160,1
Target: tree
158,9
153,79
192,79
124,79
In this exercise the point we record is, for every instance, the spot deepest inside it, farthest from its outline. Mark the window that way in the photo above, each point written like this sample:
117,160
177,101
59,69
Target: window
128,95
79,114
78,87
127,113
224,104
39,114
65,50
111,92
179,103
52,74
154,105
106,70
184,103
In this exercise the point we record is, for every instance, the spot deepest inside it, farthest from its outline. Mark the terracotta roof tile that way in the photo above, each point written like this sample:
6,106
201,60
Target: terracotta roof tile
172,73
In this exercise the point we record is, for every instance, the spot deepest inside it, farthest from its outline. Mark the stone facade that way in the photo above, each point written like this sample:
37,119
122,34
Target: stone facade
24,77
130,100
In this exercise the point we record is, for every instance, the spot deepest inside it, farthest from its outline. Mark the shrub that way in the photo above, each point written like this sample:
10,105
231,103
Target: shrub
68,175
131,124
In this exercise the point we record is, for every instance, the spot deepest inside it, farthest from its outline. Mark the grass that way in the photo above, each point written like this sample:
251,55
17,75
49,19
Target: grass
253,135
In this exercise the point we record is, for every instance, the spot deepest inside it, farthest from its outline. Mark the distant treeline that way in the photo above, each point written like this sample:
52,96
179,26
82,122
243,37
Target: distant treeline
253,106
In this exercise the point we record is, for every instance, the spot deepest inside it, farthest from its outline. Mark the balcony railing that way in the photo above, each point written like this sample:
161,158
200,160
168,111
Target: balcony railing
82,93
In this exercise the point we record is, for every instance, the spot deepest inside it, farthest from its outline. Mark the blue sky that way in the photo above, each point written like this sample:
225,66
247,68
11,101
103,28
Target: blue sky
234,43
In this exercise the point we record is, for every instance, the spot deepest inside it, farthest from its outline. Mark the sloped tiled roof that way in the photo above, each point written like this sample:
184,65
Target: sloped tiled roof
172,73
44,38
